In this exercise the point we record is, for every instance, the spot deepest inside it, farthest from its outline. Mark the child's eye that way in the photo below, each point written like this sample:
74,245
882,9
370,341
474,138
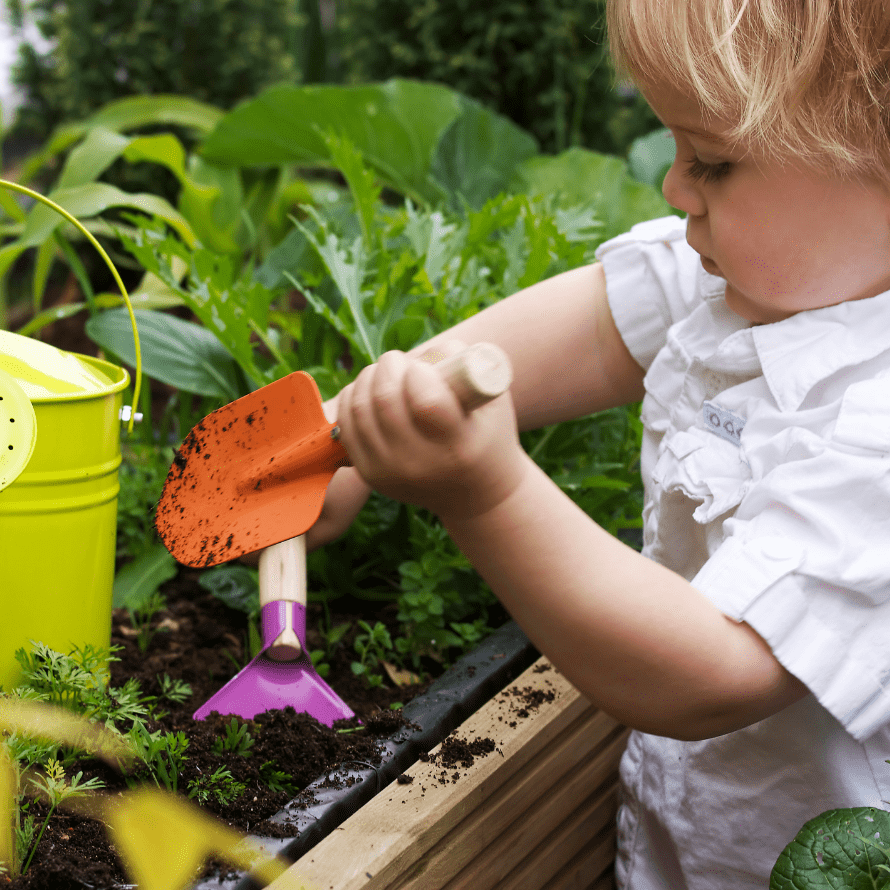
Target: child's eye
698,171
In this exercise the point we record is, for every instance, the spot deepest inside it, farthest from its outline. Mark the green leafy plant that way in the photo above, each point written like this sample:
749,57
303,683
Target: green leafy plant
143,619
332,637
220,786
439,590
142,473
277,780
163,753
56,788
79,681
236,739
839,848
373,645
173,689
145,823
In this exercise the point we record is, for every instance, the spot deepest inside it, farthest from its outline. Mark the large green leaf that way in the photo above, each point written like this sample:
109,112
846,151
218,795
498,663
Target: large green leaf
124,115
87,161
99,149
839,848
651,156
83,202
396,126
137,581
579,176
176,352
213,200
93,198
478,154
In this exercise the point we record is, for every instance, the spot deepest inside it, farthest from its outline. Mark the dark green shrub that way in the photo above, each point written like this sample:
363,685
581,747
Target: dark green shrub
216,51
542,63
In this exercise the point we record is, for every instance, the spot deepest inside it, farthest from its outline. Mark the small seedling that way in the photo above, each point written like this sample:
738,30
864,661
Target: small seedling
236,739
162,752
220,786
79,681
175,691
277,780
332,639
54,787
143,616
373,645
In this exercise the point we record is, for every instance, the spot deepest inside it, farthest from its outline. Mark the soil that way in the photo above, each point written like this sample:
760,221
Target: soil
199,640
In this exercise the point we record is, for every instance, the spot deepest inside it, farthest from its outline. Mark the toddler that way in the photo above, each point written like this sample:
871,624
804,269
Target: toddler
749,645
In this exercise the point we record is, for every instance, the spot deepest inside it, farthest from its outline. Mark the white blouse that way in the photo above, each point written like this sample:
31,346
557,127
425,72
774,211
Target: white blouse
766,466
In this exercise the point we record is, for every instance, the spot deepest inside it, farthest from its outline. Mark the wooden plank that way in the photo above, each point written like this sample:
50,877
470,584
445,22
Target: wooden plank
605,881
386,838
578,854
505,831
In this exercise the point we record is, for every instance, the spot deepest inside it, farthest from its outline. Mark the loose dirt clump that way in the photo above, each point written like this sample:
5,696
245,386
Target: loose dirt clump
456,752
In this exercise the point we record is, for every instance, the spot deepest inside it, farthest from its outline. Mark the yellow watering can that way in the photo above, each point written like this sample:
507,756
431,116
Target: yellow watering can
60,418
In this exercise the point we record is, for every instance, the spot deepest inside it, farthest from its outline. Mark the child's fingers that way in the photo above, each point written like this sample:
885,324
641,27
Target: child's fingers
387,394
434,408
356,418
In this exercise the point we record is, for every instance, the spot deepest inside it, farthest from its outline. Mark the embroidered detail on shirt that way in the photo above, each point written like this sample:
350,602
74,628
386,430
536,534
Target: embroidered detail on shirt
723,423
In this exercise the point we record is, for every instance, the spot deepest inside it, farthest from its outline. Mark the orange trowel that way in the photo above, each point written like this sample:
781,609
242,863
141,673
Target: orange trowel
254,472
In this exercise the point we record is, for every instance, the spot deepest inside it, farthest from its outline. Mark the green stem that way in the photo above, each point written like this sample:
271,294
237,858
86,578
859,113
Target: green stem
36,844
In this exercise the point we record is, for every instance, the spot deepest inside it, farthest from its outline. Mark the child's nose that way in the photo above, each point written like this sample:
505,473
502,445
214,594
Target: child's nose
680,193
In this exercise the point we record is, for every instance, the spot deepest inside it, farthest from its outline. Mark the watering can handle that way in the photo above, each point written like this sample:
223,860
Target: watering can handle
24,190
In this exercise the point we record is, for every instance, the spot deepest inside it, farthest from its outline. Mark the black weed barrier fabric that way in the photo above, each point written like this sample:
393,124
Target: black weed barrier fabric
458,693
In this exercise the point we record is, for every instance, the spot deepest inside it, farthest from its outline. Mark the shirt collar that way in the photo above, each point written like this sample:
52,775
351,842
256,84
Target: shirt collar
800,351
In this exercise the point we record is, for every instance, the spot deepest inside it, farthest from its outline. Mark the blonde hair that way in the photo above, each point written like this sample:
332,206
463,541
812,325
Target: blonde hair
804,79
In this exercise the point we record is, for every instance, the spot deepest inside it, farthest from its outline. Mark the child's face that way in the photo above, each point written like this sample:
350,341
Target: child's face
785,238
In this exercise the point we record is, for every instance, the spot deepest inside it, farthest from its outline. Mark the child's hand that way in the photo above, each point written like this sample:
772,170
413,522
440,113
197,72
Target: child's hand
410,439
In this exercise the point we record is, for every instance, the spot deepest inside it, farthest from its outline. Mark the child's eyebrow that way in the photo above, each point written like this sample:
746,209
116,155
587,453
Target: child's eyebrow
702,134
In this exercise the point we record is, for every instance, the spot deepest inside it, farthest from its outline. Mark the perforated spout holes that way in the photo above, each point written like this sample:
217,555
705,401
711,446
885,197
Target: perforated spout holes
18,429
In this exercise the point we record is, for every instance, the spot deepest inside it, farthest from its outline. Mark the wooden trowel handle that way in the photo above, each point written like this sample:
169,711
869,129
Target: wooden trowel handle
477,374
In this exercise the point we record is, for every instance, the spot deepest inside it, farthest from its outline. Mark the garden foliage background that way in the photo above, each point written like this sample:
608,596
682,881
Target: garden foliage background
324,209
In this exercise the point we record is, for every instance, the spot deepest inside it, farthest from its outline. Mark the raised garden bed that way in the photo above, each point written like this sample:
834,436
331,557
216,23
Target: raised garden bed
488,775
195,640
522,794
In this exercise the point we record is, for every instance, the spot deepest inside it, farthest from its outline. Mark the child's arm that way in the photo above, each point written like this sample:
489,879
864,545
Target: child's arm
568,360
634,637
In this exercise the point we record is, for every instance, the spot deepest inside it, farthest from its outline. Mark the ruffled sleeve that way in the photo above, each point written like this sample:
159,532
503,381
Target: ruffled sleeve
653,280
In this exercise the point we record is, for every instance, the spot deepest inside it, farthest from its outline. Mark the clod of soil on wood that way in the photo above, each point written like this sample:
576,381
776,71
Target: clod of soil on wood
455,752
524,702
